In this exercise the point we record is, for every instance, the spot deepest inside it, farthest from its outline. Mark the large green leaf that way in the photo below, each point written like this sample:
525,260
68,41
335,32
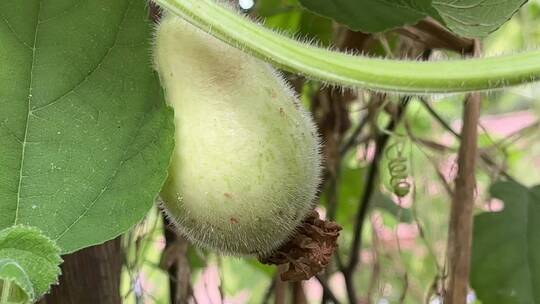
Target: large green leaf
371,15
470,18
28,264
85,136
475,18
506,246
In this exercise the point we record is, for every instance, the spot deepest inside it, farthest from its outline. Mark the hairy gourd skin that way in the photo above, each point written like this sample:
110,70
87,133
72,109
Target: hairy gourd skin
246,165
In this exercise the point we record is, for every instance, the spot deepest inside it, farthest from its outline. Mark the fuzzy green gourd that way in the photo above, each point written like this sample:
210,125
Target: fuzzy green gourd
246,165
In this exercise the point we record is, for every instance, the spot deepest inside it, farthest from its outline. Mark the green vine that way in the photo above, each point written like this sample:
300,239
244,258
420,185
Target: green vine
357,71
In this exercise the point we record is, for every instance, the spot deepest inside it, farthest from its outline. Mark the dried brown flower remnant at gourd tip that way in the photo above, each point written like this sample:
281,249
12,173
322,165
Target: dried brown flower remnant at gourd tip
309,251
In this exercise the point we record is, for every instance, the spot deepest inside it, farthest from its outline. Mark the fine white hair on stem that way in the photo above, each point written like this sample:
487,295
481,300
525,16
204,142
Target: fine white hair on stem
403,76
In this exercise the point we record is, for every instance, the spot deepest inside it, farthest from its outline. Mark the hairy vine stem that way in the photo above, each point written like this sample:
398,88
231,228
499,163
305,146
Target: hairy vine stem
406,76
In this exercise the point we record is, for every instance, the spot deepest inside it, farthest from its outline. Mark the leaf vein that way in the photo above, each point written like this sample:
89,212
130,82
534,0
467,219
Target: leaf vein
120,165
29,102
12,30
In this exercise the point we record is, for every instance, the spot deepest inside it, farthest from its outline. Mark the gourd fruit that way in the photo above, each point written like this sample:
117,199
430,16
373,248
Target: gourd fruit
246,164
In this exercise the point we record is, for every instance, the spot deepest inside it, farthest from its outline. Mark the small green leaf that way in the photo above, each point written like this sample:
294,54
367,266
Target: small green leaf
371,15
85,136
473,18
470,18
505,260
28,264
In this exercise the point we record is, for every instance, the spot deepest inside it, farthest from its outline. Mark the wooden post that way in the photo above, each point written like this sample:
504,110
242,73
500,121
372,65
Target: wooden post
89,276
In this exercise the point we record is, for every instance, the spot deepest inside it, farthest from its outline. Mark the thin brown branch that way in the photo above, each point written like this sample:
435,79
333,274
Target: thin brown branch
281,287
438,117
327,291
461,214
403,294
298,294
374,280
269,291
174,260
352,141
435,36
